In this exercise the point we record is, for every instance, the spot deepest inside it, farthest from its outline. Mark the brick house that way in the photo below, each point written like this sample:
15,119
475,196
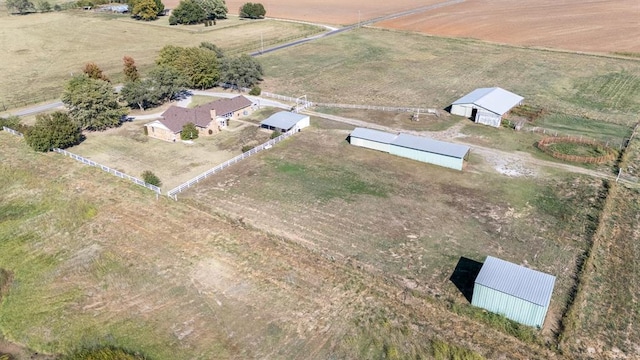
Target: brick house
209,118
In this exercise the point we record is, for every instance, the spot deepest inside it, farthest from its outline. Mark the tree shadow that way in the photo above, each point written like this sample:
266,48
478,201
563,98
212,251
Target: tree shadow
464,276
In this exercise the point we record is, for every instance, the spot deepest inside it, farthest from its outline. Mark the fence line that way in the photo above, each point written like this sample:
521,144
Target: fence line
609,142
382,108
11,131
108,169
93,163
173,193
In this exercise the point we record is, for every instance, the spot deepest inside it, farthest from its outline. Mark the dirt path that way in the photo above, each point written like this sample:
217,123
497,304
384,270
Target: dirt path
508,163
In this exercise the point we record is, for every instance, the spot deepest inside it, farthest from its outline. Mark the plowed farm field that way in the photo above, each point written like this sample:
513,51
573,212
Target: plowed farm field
594,26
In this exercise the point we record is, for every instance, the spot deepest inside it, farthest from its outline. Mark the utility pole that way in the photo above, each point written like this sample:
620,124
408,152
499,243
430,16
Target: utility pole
358,18
261,44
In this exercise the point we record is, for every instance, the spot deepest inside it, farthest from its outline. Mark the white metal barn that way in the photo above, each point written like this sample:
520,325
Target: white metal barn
371,139
413,147
284,121
519,293
486,105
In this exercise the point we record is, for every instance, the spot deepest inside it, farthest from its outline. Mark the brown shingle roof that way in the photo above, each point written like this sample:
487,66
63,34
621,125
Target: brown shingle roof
176,117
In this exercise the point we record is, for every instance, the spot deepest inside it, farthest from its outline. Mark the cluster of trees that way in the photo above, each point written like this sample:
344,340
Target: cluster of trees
190,12
252,11
146,10
178,68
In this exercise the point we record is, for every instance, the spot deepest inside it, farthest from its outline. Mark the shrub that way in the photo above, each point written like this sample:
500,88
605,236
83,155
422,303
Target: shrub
275,134
255,91
12,122
189,132
57,7
246,148
151,178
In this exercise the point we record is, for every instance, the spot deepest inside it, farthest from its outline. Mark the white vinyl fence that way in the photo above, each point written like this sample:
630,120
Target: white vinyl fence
111,171
173,193
11,131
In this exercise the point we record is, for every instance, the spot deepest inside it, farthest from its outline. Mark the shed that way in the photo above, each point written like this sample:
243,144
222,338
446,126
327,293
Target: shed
486,105
371,139
519,293
430,151
284,121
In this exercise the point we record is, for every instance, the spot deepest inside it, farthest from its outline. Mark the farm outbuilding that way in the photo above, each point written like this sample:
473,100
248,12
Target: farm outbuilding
284,121
519,293
486,105
371,139
413,147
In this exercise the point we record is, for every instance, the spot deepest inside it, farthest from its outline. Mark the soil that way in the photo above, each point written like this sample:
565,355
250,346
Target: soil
592,26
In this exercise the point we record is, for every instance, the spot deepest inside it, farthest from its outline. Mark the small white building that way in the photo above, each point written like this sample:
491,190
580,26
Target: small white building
516,292
486,105
285,121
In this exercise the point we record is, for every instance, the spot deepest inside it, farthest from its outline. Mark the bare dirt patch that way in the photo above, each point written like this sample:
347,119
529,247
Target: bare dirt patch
594,26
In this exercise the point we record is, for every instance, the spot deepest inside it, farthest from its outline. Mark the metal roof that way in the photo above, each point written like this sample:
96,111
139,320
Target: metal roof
496,100
373,135
430,145
518,281
283,120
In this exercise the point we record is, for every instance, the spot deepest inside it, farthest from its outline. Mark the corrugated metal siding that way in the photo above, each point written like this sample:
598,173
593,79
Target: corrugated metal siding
511,307
461,110
431,158
369,144
373,135
488,118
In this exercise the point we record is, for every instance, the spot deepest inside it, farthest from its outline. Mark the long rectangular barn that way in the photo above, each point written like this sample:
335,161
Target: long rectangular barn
413,147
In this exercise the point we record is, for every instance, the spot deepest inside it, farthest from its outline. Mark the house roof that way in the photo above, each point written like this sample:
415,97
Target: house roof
515,280
496,100
373,135
283,120
177,117
430,145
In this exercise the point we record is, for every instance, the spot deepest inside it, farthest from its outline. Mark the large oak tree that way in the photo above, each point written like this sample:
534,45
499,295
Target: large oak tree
92,103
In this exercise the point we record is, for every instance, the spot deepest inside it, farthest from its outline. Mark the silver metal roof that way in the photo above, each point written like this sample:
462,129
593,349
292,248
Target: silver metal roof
515,280
283,120
430,145
496,100
373,135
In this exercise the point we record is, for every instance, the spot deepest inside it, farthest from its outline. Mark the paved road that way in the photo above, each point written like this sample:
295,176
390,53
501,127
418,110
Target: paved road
355,26
38,109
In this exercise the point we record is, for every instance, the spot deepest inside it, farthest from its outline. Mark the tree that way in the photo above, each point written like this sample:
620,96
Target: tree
187,12
165,83
252,11
189,132
94,72
241,71
199,66
12,122
92,103
151,178
212,47
130,69
55,130
146,10
214,9
136,93
20,6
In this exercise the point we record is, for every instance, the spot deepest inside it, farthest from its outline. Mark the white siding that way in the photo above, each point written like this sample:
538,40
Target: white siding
431,158
509,306
488,118
369,144
462,110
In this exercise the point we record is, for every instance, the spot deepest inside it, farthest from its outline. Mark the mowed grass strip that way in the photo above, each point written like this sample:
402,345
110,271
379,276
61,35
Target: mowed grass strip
378,67
42,51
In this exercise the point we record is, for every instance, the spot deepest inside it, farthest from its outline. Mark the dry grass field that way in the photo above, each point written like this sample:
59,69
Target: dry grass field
379,67
41,51
97,260
579,25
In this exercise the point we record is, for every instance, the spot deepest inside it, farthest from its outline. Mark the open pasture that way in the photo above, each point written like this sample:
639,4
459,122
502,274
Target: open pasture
42,51
127,149
385,68
591,26
405,220
97,260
